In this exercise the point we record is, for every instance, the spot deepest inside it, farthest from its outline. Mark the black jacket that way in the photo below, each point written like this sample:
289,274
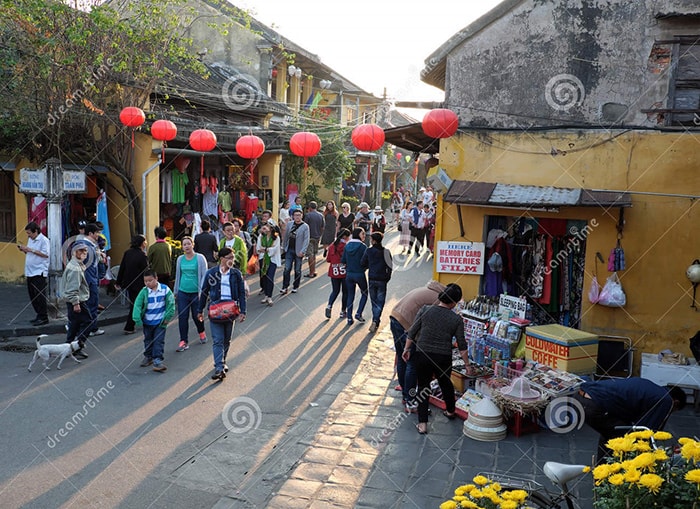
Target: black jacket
378,261
131,269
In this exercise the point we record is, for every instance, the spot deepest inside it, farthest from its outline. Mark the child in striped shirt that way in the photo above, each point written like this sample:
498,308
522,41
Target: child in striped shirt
154,308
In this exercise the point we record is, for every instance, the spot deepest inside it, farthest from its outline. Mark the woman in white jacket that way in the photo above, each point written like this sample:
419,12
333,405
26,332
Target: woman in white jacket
270,258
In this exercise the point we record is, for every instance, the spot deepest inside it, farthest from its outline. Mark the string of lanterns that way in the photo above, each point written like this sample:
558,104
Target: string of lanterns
438,123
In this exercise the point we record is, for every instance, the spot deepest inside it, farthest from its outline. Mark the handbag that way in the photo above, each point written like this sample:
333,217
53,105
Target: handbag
253,264
224,311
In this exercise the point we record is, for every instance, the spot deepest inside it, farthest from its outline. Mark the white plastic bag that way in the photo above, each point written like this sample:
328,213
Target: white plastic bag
594,291
612,294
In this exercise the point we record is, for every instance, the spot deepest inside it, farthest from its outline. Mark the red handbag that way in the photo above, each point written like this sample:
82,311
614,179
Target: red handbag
224,311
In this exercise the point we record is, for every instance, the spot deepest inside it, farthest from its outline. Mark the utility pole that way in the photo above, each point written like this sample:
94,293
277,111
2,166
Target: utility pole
54,199
381,121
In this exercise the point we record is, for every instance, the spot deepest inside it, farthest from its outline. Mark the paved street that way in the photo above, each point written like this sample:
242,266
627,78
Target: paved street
308,417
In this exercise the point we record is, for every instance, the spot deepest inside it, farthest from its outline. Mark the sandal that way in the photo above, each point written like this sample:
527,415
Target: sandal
422,428
449,415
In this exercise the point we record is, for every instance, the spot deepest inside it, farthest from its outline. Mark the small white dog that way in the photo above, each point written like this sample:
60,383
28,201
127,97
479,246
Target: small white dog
61,350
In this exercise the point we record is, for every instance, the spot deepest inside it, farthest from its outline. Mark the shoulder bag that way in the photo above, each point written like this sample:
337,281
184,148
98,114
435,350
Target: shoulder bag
224,311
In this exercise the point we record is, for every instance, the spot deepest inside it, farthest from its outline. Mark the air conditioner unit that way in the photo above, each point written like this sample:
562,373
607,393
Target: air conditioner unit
439,179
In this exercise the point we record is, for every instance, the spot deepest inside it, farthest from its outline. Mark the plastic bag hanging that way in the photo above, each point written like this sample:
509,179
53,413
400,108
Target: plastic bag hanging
612,294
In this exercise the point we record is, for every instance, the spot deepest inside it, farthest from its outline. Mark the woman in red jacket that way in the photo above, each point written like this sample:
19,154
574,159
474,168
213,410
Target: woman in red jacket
336,271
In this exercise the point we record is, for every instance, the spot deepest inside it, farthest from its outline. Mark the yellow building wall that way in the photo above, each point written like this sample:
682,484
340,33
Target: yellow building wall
11,258
660,236
269,168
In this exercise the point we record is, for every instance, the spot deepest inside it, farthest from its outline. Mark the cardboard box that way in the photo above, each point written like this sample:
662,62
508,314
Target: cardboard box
562,348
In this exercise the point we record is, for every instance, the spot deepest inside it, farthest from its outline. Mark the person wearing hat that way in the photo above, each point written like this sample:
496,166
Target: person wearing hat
76,293
378,220
363,219
432,332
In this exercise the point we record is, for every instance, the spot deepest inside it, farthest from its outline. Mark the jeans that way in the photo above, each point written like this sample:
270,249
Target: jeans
92,303
288,260
36,286
427,365
187,304
406,371
267,281
350,281
78,323
153,341
221,339
377,295
338,286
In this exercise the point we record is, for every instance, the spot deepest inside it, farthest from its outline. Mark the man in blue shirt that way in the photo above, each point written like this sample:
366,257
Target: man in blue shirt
626,402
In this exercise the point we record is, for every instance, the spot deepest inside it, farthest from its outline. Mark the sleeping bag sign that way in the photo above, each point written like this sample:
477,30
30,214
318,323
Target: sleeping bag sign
460,257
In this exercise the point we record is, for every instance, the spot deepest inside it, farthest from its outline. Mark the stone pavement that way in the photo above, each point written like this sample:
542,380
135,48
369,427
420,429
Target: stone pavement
16,312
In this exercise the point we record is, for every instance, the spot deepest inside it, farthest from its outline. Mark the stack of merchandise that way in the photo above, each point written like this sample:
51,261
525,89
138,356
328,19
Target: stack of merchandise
485,422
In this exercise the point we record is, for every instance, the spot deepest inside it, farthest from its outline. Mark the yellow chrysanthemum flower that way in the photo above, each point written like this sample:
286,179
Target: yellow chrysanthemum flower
644,434
660,455
632,476
459,498
644,460
509,504
652,482
495,486
586,470
450,504
468,488
601,472
616,467
477,494
662,435
642,445
480,480
693,476
620,444
691,451
517,496
616,479
685,440
459,491
468,504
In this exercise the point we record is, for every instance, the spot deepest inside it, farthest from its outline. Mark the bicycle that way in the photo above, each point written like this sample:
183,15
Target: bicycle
539,496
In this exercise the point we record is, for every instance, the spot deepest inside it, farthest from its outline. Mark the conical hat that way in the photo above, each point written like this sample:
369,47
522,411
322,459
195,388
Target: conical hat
520,389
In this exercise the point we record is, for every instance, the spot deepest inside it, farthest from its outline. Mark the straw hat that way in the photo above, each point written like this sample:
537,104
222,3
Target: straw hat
520,389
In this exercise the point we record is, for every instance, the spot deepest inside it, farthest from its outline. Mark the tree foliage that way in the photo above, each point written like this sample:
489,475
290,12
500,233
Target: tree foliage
67,73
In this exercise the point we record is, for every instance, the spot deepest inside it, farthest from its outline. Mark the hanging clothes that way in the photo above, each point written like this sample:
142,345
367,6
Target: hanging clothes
38,211
251,207
104,219
166,187
209,203
180,181
225,201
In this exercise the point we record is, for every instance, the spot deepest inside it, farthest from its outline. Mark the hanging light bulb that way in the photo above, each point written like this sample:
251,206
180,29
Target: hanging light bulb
291,70
297,72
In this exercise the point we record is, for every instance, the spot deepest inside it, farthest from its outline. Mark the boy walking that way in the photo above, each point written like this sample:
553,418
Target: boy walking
154,308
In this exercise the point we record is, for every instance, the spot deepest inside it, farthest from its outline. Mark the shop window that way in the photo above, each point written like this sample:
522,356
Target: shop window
8,232
540,259
684,89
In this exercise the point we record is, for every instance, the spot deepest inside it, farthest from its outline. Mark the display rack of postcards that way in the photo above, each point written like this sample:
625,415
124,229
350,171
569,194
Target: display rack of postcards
492,348
550,382
467,399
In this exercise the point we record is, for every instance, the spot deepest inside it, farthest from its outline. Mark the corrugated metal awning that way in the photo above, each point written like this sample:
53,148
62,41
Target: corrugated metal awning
466,192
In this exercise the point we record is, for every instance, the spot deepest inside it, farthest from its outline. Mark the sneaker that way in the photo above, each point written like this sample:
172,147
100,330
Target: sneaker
411,408
283,291
328,312
295,290
225,368
158,366
182,347
360,319
97,332
269,301
264,301
147,361
350,321
373,328
218,375
343,314
202,341
81,355
261,292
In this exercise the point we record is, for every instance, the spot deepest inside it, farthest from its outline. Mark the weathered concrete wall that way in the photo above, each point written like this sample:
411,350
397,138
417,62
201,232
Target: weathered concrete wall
567,62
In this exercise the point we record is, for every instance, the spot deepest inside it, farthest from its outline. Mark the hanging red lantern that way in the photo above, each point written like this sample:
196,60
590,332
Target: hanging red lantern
368,137
305,145
440,123
163,131
202,140
132,118
250,147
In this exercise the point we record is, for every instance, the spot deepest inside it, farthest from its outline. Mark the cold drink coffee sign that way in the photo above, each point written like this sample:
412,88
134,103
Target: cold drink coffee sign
460,257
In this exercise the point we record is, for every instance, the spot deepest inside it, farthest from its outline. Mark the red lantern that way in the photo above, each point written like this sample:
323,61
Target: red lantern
132,118
202,140
305,145
440,123
368,137
163,131
250,147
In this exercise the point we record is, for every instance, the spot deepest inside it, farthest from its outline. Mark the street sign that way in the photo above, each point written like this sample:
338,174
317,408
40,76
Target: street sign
32,181
74,181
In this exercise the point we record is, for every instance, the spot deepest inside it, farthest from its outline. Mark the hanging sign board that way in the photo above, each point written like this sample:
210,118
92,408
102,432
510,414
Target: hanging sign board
74,182
460,257
32,181
508,304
